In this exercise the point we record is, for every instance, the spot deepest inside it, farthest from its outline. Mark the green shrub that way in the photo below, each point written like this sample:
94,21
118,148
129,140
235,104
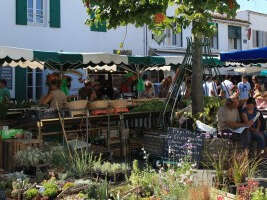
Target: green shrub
31,193
51,189
259,194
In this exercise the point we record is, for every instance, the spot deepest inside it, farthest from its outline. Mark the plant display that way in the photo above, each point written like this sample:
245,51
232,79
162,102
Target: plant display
106,167
170,183
68,185
98,191
79,164
19,186
245,192
32,157
153,105
50,188
234,170
259,194
208,116
219,162
31,193
242,166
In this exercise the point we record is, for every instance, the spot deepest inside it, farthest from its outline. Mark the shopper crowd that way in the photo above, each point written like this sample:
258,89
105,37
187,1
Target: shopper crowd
240,117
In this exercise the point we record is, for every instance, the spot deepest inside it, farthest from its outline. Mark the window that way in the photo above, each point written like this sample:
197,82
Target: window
38,84
259,38
34,84
234,38
173,39
214,43
36,11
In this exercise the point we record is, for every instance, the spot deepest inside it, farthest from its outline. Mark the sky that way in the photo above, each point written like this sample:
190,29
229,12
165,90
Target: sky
254,5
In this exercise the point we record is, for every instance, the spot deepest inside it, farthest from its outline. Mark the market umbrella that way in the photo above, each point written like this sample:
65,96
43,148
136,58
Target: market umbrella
264,72
248,70
258,55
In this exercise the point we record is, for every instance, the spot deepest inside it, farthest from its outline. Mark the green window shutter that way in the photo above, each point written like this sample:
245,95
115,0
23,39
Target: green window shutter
55,14
21,12
100,27
20,83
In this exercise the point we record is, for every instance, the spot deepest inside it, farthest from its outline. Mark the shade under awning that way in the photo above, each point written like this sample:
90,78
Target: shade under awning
258,55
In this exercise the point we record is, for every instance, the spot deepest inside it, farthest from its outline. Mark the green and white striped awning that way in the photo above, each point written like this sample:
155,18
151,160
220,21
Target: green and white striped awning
31,58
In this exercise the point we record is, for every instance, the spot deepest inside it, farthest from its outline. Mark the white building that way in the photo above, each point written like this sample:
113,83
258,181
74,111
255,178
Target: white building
257,29
59,25
232,34
56,25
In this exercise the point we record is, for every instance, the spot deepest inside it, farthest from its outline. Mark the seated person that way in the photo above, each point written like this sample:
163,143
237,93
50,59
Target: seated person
229,118
261,99
248,114
55,96
4,92
149,92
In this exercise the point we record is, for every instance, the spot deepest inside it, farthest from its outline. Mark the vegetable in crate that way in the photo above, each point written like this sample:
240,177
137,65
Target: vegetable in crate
154,105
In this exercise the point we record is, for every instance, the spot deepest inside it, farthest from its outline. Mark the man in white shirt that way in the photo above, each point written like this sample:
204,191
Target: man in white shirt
206,87
210,88
244,89
227,86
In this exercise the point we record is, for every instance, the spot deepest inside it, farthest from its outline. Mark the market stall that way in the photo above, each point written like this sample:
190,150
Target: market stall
82,123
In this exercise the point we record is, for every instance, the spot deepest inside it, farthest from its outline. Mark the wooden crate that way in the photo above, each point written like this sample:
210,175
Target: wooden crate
11,147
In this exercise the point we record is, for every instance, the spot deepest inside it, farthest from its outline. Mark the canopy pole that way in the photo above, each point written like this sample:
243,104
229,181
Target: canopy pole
138,76
61,72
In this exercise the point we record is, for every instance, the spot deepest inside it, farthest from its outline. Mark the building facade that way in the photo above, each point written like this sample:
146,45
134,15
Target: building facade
231,34
258,28
56,25
59,25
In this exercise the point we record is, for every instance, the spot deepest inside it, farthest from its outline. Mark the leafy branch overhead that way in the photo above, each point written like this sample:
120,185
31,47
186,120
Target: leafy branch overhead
154,13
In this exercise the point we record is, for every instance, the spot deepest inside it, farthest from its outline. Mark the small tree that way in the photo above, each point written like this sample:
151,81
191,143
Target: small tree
153,13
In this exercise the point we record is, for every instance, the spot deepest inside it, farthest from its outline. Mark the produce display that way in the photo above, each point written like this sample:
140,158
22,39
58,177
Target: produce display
153,105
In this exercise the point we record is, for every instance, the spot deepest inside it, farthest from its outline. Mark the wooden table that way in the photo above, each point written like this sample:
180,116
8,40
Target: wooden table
86,124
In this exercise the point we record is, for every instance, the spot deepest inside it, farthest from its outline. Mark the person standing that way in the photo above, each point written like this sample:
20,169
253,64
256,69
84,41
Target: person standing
206,85
4,92
244,89
227,86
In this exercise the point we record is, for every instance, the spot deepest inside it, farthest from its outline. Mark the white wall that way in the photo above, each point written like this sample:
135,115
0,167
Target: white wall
258,21
222,37
73,35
